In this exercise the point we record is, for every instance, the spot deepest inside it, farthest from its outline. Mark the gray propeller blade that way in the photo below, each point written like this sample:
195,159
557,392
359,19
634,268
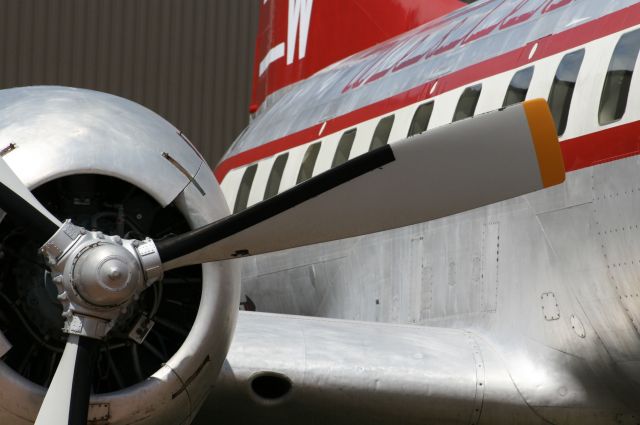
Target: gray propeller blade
444,171
17,201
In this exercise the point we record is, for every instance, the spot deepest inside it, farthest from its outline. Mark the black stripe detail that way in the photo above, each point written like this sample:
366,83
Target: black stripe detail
26,214
82,377
186,243
188,382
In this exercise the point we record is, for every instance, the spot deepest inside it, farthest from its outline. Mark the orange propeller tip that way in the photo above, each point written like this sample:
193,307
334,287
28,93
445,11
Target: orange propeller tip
545,141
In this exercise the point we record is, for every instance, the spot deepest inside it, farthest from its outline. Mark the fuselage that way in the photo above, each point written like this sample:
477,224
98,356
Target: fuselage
550,280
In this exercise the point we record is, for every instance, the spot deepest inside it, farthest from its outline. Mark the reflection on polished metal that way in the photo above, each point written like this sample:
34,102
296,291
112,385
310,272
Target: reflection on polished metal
97,276
106,133
366,373
63,131
545,283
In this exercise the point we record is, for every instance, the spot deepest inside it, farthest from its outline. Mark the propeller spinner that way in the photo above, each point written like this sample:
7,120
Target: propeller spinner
451,169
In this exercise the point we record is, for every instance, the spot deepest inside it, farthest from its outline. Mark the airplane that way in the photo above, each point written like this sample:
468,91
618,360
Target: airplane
406,224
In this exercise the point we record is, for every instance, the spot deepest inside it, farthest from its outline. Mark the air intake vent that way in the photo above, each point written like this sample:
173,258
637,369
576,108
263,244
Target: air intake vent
271,386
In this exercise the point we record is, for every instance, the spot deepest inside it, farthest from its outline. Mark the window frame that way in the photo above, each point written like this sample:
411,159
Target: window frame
345,140
244,188
308,163
510,88
463,96
626,80
271,183
389,118
415,117
563,121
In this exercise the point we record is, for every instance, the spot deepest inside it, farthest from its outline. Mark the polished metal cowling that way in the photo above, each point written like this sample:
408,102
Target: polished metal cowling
56,132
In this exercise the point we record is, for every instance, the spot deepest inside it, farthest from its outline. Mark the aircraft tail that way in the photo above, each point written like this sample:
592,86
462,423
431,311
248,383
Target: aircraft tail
297,38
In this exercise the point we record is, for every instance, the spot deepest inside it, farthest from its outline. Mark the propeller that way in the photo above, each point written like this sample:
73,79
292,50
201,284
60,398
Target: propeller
454,168
67,399
22,206
444,171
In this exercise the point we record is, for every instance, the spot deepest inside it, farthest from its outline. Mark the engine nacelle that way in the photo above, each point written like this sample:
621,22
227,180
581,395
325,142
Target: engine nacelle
50,133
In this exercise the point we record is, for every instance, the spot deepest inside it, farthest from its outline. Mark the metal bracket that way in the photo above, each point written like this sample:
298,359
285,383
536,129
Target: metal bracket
149,259
141,329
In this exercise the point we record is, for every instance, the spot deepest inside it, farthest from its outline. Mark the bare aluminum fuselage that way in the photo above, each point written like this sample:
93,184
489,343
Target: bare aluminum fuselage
547,284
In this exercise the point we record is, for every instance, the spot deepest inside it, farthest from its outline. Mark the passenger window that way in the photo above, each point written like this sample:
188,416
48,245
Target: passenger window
308,162
420,120
245,188
613,100
518,87
381,134
467,103
344,147
275,176
562,88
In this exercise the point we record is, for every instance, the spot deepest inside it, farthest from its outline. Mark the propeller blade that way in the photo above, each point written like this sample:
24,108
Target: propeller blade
67,399
444,171
21,205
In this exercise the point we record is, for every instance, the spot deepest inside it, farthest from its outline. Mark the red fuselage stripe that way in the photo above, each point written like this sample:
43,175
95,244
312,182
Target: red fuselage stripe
602,146
580,152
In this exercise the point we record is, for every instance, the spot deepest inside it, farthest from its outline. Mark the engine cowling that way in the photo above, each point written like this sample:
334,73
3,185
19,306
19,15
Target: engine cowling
120,168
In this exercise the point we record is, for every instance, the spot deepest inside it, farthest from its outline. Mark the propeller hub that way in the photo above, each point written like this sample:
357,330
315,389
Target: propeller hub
98,276
106,274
